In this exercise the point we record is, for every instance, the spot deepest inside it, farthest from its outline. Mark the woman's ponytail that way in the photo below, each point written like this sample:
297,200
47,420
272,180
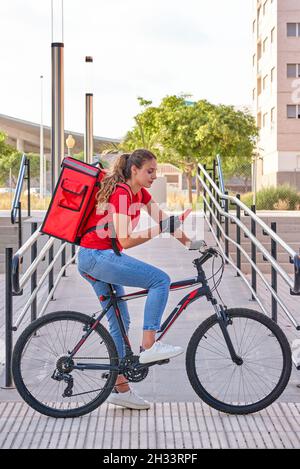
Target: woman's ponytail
120,173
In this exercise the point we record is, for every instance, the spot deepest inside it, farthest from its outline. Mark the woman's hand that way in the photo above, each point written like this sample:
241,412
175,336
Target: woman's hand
169,225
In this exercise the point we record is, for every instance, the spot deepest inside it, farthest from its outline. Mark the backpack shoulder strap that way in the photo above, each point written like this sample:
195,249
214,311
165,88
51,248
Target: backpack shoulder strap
127,189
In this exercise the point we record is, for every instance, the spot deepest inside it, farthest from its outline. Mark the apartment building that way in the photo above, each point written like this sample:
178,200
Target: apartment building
276,90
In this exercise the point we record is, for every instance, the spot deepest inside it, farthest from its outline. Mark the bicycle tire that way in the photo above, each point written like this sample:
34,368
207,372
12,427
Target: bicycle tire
36,328
195,377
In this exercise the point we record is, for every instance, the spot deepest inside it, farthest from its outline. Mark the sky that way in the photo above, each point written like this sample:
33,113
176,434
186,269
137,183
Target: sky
140,48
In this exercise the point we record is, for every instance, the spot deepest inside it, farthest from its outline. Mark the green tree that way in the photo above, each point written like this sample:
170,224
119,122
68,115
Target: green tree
230,133
179,123
10,159
185,133
145,133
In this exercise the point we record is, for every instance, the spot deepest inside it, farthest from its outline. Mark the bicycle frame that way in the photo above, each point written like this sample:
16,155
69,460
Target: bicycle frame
202,291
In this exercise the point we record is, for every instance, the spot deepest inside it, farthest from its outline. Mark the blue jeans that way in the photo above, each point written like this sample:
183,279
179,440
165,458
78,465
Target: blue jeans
108,268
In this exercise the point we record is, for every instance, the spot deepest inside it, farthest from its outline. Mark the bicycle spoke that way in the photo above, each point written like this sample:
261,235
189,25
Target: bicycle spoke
49,346
254,378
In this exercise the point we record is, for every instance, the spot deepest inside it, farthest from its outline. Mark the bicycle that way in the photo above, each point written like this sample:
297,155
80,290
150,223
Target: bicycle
238,361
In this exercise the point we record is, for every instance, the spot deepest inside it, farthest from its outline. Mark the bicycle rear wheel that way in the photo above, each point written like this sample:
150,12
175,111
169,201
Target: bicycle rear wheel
44,376
251,386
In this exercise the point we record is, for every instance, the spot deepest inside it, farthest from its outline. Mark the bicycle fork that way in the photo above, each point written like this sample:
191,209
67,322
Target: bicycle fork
224,321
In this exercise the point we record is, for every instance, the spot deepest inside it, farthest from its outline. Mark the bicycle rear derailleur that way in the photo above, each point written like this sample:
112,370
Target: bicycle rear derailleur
64,367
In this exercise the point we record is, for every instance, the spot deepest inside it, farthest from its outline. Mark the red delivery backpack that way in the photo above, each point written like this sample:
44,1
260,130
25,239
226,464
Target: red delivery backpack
73,202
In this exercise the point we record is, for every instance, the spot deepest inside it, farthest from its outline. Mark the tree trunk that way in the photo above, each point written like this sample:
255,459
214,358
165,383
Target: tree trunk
189,181
197,187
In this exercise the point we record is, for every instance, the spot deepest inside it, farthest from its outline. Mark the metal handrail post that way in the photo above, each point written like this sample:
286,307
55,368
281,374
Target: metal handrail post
214,191
226,228
238,236
73,253
20,224
210,202
274,273
34,275
50,258
8,318
28,187
253,253
204,189
218,218
63,259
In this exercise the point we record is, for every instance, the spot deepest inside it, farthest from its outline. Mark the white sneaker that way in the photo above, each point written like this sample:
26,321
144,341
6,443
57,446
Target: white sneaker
160,351
128,399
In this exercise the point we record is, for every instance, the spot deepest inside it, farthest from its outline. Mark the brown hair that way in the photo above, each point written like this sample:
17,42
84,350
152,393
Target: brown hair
121,172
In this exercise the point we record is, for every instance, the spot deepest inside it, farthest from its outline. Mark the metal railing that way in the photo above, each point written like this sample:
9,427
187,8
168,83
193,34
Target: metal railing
15,283
218,219
16,208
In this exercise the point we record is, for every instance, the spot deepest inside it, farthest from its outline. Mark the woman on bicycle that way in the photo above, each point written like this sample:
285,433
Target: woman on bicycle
98,258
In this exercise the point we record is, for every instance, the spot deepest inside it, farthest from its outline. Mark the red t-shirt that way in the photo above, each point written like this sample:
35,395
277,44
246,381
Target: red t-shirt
122,201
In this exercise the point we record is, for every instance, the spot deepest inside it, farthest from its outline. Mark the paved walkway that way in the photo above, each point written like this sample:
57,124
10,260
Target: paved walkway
177,419
180,425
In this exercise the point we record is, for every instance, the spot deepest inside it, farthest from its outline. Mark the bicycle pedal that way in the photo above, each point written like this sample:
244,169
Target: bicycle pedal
163,362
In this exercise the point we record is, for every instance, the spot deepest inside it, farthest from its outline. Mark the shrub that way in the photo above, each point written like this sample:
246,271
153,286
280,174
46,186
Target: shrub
274,198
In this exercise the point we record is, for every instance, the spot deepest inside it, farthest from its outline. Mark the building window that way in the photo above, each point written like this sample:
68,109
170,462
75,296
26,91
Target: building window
265,82
273,115
293,70
265,7
293,29
253,59
272,35
253,94
293,111
265,116
265,44
254,26
272,74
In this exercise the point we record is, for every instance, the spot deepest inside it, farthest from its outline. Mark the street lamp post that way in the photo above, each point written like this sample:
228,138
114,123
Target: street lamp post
42,156
255,158
88,138
57,47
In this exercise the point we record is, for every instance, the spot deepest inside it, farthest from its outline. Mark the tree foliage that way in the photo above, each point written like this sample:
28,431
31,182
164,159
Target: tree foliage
185,133
10,160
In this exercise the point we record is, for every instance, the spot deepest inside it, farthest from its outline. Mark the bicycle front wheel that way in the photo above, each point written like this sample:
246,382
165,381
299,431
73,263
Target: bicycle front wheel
250,386
46,378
